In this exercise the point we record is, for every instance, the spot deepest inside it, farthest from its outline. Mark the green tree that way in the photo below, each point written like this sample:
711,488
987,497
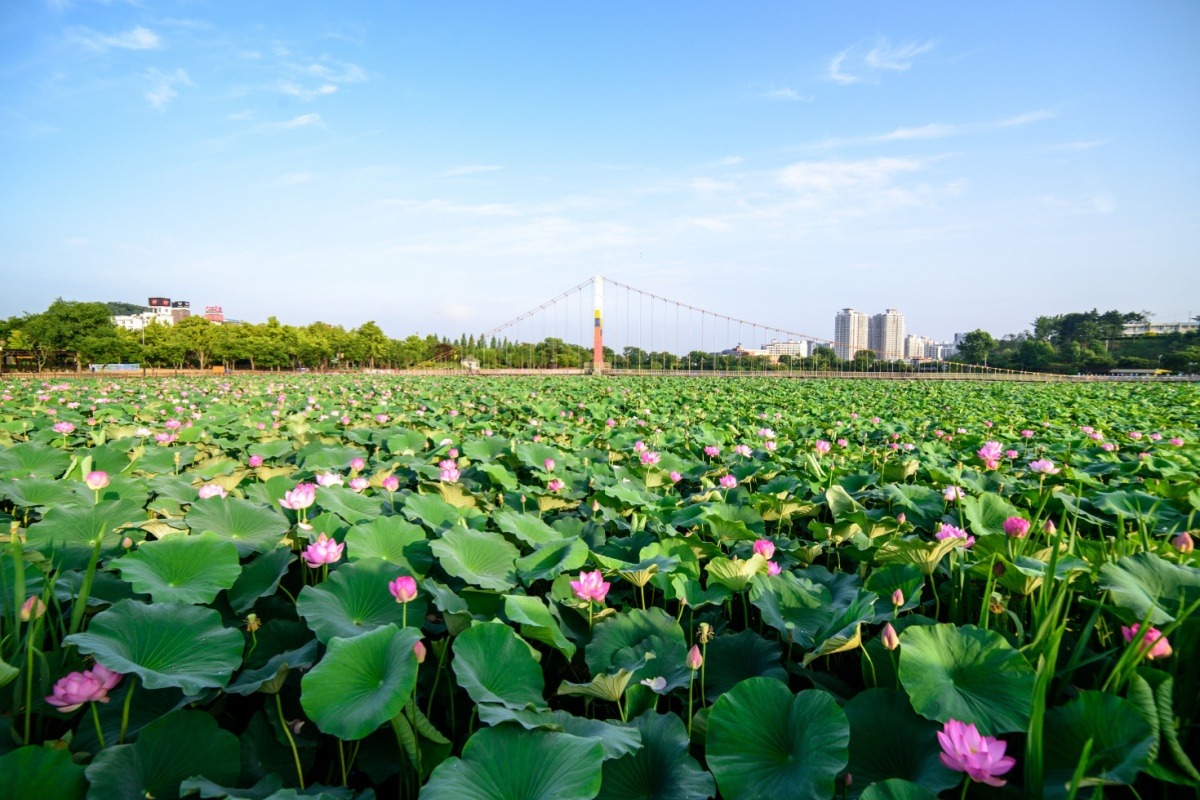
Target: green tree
80,329
975,346
199,338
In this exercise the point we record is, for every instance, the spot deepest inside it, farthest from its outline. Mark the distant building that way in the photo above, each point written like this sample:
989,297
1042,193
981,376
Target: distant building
214,314
1158,328
942,351
137,322
917,347
801,349
851,332
885,335
180,310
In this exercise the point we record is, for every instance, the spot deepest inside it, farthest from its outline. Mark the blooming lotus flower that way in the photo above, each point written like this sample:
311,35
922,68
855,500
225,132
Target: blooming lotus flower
990,454
742,450
89,686
764,548
639,446
656,685
728,482
889,638
591,586
359,484
711,450
330,479
555,485
96,480
255,461
981,757
773,569
63,427
1026,433
302,496
952,493
675,477
1175,440
1011,454
1159,647
212,490
1044,467
391,483
404,589
165,438
323,551
649,457
450,473
1016,527
694,659
951,532
357,463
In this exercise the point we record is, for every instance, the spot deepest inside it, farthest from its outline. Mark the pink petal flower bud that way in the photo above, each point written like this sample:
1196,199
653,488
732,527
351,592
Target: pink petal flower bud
694,659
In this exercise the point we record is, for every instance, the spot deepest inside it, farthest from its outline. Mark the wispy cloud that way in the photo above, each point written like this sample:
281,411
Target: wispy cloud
162,86
785,93
138,38
302,121
312,78
938,130
470,169
859,62
289,88
834,175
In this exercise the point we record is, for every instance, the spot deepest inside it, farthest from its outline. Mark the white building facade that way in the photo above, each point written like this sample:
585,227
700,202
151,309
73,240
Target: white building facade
851,333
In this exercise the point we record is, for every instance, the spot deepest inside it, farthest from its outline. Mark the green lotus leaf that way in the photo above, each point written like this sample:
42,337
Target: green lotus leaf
252,528
1121,742
166,460
259,578
896,789
33,460
34,771
351,506
763,741
661,770
968,674
537,622
617,740
735,575
392,539
922,505
511,763
40,492
361,683
181,569
526,527
1148,584
181,745
552,559
888,740
620,641
493,665
986,513
68,535
165,644
481,558
356,599
731,659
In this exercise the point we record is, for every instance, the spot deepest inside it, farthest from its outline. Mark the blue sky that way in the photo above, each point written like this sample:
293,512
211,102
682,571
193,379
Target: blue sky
440,167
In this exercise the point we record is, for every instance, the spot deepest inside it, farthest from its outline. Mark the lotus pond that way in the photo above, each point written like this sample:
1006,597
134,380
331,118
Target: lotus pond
527,588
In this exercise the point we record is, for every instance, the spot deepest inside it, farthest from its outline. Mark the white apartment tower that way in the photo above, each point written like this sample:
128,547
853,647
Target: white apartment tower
851,331
886,335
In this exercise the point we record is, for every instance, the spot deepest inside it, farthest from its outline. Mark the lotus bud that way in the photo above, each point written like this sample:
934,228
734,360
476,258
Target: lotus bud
694,659
897,598
32,608
127,543
901,518
889,637
419,651
1183,543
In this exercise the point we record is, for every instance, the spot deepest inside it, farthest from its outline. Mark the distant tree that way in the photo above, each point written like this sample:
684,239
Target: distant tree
975,346
81,329
199,338
118,309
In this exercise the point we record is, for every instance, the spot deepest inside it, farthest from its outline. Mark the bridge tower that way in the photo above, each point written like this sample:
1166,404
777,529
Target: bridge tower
598,325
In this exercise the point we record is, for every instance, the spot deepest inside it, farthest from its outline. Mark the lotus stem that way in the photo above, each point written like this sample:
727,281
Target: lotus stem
125,710
96,720
85,589
287,731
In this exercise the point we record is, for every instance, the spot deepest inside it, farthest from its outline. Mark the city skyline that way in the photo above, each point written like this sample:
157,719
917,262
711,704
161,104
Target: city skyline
439,170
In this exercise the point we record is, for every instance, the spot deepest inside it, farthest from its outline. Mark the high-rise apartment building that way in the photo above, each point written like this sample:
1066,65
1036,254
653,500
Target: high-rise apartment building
851,331
885,335
917,346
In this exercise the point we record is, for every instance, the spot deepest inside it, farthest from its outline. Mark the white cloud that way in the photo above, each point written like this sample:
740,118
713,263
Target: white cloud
138,38
302,121
833,175
162,86
859,62
785,93
292,89
938,130
470,169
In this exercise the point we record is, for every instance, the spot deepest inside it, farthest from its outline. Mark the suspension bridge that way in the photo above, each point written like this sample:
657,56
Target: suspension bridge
603,326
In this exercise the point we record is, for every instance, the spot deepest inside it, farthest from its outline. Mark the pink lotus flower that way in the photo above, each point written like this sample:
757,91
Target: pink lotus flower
1049,526
323,551
63,427
591,586
165,438
951,532
212,490
419,651
952,493
450,473
889,637
610,422
549,464
728,482
1135,435
1159,647
639,446
711,450
330,479
391,483
32,608
96,480
694,659
742,450
675,477
1044,467
255,461
302,496
822,447
1016,527
555,485
897,598
1175,440
89,686
764,548
1183,543
657,685
649,457
359,484
773,569
1011,454
1026,433
990,454
981,757
901,518
404,589
381,418
357,463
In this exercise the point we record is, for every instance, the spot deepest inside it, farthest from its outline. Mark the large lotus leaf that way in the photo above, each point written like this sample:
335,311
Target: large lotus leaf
765,742
968,674
1148,584
35,492
361,683
348,504
1121,742
36,772
252,528
661,770
986,513
431,511
181,569
537,622
511,763
166,460
181,745
271,675
259,578
616,739
355,600
552,559
33,459
392,539
922,505
729,660
166,644
495,666
888,740
320,457
896,789
526,527
406,442
68,535
534,454
481,558
885,581
1130,505
488,448
618,641
796,607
